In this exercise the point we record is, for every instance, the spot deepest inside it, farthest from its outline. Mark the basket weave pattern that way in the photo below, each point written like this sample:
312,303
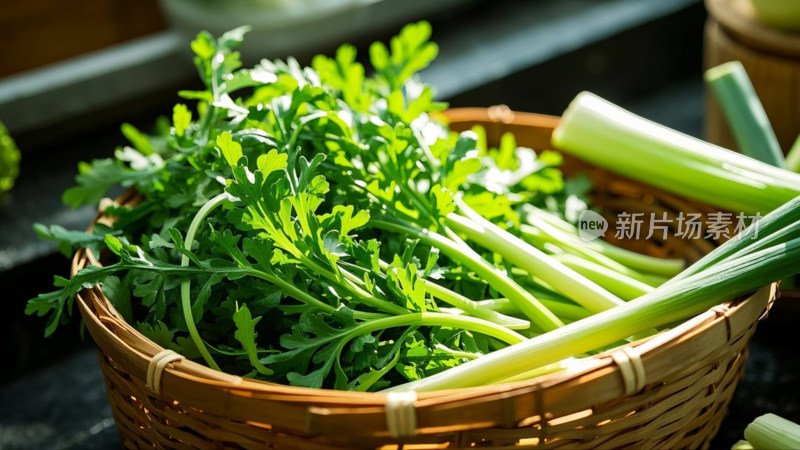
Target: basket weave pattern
688,374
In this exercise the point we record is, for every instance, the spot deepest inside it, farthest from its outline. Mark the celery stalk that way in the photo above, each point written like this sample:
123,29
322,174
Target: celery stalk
545,238
566,310
745,115
665,305
618,284
608,136
599,251
522,299
774,222
532,260
793,156
773,432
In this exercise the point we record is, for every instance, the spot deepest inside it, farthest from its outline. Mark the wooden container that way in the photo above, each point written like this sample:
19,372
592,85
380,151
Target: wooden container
771,58
678,399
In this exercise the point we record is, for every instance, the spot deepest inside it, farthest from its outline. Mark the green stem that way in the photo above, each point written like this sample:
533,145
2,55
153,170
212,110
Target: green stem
772,431
683,299
186,302
467,305
532,260
537,372
473,308
793,157
502,283
564,234
292,290
441,320
746,116
623,286
546,241
360,294
608,136
564,309
782,217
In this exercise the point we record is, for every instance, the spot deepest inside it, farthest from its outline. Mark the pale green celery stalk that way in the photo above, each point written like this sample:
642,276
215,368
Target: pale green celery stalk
681,300
537,372
785,216
793,156
467,305
568,311
742,445
473,308
608,136
457,353
526,302
532,260
565,309
618,284
568,234
744,113
539,237
434,319
773,432
684,146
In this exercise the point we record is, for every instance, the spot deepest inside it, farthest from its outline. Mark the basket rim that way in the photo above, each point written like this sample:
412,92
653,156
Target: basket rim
132,351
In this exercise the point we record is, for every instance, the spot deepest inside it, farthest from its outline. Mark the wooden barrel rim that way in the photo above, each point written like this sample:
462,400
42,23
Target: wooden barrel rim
737,18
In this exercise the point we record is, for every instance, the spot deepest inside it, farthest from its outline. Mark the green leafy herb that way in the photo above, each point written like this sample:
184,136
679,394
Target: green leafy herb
320,227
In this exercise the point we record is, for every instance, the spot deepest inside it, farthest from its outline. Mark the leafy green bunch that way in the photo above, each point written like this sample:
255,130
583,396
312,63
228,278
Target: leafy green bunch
312,226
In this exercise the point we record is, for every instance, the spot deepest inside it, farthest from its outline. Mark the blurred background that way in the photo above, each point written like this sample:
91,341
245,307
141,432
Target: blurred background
71,71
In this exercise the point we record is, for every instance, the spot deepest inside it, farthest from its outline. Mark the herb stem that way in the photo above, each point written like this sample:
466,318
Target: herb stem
186,283
526,302
532,260
435,319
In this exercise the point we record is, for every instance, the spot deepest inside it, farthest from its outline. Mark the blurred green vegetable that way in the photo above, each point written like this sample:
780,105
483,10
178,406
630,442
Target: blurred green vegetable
9,160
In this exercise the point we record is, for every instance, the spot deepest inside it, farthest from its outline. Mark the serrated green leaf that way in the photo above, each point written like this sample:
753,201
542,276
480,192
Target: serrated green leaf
246,335
204,45
181,118
230,149
138,139
118,292
271,162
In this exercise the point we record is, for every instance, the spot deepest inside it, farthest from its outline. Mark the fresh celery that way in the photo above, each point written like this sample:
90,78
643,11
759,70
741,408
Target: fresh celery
608,136
667,304
565,309
532,260
618,284
773,432
793,156
745,115
566,235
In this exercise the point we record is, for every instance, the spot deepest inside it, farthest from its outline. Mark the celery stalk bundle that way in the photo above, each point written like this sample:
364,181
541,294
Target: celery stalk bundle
750,266
608,136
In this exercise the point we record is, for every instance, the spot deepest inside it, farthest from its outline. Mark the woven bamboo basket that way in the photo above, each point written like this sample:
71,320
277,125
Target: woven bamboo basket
669,391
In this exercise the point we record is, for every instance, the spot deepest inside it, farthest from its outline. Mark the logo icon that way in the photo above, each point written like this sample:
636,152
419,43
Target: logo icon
591,225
